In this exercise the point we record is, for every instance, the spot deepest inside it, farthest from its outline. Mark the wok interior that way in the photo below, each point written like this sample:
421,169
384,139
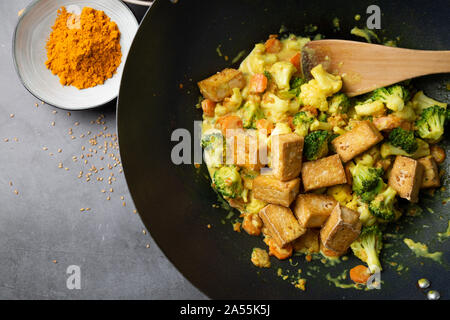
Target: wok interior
179,44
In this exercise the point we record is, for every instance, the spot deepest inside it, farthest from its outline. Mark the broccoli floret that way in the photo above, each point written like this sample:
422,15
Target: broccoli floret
250,113
294,88
400,91
316,145
302,120
372,193
431,124
296,82
368,247
423,150
211,140
214,144
403,139
320,125
382,206
394,97
228,182
322,117
420,102
339,103
366,218
367,181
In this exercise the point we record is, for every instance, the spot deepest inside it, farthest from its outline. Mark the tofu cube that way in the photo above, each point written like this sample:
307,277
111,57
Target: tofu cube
406,178
341,229
308,242
280,224
287,150
312,210
362,137
243,150
274,191
325,172
430,173
221,85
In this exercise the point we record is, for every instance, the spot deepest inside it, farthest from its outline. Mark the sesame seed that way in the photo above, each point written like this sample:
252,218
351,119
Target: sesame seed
11,115
45,148
82,209
16,192
147,246
108,198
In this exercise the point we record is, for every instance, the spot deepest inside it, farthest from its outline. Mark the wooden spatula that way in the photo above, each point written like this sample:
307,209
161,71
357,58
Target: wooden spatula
365,67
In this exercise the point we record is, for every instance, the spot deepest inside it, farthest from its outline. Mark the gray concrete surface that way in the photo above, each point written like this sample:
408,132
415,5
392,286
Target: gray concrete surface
42,230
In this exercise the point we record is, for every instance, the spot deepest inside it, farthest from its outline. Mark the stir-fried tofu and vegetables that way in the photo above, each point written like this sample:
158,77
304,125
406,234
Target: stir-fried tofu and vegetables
310,169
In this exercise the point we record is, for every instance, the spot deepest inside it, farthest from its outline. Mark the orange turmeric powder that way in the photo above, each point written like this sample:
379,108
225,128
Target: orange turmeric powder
83,50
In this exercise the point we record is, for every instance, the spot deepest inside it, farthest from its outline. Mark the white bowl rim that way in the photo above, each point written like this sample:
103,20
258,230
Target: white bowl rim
16,67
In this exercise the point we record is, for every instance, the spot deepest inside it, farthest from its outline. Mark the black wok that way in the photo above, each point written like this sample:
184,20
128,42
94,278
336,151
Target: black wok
177,44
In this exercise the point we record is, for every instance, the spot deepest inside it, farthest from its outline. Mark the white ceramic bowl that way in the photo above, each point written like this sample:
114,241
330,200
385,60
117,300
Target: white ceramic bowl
29,53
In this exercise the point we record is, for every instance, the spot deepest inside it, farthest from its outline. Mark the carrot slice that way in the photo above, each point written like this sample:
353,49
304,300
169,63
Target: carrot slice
291,122
208,107
295,60
263,124
273,45
360,274
311,109
252,224
275,250
229,122
258,83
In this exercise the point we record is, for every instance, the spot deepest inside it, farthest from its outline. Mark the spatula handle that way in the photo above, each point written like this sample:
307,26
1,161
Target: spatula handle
365,67
424,62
